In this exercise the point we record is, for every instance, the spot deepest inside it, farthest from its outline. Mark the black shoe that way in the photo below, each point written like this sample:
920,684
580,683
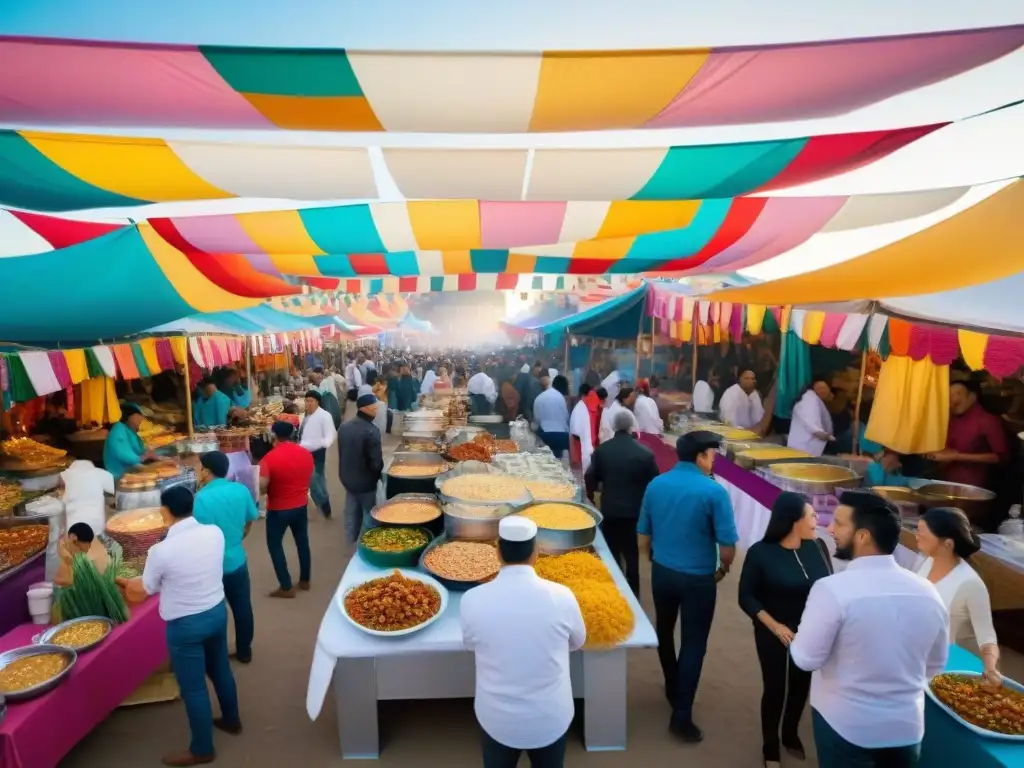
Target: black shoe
325,510
794,747
688,732
244,658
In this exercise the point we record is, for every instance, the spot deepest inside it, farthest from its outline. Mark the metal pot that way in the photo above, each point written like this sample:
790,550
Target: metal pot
811,478
977,503
460,525
553,541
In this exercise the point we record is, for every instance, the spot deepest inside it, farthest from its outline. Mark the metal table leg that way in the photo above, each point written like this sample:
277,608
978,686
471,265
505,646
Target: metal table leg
355,695
604,697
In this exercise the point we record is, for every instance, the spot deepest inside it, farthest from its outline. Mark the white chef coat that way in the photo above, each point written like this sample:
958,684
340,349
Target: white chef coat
317,430
874,635
521,629
353,376
703,400
84,489
966,598
327,386
607,431
612,384
186,569
579,425
482,384
550,411
740,409
648,419
810,415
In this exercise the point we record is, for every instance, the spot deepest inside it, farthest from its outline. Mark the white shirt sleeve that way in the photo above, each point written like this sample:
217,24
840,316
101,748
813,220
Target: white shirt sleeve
579,425
939,654
728,407
107,481
152,574
468,638
577,629
703,398
648,418
979,608
756,408
818,628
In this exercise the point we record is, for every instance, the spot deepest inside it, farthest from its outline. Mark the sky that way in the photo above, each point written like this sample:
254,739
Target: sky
986,149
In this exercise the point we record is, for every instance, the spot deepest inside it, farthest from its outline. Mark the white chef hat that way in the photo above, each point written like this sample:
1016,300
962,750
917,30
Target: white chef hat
552,372
517,528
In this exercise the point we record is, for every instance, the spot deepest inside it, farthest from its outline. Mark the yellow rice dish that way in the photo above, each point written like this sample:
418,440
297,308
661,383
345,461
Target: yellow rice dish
558,517
813,472
768,454
730,433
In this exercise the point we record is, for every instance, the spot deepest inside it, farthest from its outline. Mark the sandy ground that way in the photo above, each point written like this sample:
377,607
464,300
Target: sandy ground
436,734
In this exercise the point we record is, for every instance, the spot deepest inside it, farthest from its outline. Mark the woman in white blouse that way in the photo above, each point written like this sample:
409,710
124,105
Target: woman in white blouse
944,537
810,428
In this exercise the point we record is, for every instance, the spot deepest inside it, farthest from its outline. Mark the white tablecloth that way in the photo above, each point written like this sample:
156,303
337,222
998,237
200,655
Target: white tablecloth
339,639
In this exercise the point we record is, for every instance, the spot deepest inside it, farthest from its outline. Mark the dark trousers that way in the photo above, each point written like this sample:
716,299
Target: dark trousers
479,405
277,523
836,752
318,482
238,593
558,442
786,687
198,648
499,756
620,534
691,599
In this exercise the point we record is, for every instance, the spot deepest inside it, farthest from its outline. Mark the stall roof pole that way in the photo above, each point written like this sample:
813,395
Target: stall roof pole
248,367
860,397
188,394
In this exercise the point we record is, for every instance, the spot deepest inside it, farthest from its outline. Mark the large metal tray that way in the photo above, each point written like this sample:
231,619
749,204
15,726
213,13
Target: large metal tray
1012,684
417,458
557,542
452,584
426,498
38,650
476,468
46,638
807,486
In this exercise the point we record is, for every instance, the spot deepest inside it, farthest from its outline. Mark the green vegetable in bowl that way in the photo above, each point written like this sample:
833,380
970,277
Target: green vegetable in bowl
394,539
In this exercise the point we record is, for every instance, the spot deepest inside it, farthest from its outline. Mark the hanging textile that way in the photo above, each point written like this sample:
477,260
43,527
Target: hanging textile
40,372
105,358
98,401
148,347
911,406
179,346
5,387
93,365
794,373
165,355
125,361
972,347
60,369
19,381
140,361
78,366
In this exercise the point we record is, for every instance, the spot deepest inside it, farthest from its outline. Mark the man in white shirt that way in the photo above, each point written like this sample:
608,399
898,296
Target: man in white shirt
185,569
648,419
703,400
316,435
84,488
354,377
741,405
522,629
551,413
874,635
324,384
482,393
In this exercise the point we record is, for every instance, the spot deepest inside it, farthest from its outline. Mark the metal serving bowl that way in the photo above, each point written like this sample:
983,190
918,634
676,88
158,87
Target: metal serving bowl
976,503
459,525
451,584
38,650
476,468
553,541
811,478
46,638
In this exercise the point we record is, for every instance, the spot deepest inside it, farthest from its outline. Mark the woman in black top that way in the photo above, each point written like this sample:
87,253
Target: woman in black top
777,575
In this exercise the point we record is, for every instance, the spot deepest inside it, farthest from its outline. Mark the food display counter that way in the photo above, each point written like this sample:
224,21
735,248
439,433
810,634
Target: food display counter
434,664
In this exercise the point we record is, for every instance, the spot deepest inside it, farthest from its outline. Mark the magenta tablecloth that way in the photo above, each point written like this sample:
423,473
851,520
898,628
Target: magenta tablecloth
38,733
664,453
755,486
13,603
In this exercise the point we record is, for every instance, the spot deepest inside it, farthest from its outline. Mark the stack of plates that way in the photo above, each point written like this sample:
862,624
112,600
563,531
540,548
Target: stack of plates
425,422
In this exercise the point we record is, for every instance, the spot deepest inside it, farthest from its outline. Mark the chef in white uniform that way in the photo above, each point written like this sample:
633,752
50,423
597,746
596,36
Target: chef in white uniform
740,405
704,392
85,490
810,428
579,427
612,382
522,629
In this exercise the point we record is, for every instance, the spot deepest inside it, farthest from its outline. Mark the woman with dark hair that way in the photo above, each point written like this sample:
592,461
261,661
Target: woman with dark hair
945,538
777,576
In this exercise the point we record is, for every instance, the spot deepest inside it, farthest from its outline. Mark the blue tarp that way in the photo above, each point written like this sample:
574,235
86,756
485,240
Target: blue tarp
244,322
623,317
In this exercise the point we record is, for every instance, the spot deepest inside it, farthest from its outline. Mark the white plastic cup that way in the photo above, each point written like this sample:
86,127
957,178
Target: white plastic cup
40,601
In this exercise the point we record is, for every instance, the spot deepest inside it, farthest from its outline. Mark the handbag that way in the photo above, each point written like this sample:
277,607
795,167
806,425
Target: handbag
823,548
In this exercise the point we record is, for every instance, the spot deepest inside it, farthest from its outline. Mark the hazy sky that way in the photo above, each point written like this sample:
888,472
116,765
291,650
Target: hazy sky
982,150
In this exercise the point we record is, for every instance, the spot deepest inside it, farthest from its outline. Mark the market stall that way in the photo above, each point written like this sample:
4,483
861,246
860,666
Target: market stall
38,733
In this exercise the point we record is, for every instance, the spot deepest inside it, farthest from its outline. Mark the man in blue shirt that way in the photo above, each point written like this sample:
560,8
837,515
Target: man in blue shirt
686,521
230,507
212,407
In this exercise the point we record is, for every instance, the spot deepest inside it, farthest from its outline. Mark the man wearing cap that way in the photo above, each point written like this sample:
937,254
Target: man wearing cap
522,629
360,464
316,435
230,507
684,518
285,474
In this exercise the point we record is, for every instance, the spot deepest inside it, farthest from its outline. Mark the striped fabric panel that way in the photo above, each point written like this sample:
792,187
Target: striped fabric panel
219,87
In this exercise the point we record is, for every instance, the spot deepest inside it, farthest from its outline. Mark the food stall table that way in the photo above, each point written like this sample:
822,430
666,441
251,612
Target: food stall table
947,742
434,664
13,588
38,733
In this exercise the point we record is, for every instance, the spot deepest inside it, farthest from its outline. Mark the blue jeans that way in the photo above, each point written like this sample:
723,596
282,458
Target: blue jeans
690,599
836,752
198,647
497,755
279,522
238,593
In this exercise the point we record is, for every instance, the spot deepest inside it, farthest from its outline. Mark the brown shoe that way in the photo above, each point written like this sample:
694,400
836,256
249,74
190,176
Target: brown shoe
304,586
185,758
222,725
283,592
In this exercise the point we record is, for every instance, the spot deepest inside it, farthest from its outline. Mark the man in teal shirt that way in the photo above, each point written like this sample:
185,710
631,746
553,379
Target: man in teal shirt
124,449
230,507
212,407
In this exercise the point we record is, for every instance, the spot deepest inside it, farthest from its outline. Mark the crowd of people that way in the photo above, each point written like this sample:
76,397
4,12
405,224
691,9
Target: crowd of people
820,636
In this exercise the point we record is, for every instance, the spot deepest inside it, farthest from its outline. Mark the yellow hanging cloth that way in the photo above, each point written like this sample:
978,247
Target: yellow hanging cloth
77,366
148,347
97,400
972,348
911,406
179,346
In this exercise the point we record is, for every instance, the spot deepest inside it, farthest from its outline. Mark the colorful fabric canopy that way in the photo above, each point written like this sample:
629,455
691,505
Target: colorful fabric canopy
116,84
248,253
246,322
63,172
112,286
974,247
623,317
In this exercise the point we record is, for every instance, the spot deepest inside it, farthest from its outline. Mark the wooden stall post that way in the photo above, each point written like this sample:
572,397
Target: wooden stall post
693,364
188,394
567,346
248,367
860,397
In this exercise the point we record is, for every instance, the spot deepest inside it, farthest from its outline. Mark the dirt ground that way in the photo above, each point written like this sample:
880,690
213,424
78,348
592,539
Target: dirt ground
436,734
